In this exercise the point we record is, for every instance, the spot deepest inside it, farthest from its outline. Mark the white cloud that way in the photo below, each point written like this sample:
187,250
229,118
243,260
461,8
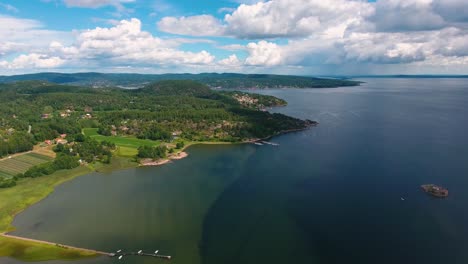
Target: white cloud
231,61
277,18
33,60
18,35
290,34
263,53
10,47
124,45
203,25
127,44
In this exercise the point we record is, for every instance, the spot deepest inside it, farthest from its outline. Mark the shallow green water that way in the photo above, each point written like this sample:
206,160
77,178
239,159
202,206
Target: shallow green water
143,208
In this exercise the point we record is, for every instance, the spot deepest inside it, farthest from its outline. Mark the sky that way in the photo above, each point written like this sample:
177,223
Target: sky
304,37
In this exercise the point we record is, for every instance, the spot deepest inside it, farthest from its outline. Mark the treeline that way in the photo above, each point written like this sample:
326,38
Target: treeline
61,162
15,143
224,80
149,152
88,150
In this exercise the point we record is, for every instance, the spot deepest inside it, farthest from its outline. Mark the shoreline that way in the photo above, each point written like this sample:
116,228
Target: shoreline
56,179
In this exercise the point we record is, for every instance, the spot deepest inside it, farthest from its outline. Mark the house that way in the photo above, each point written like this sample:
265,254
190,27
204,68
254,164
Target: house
48,142
63,135
45,116
61,141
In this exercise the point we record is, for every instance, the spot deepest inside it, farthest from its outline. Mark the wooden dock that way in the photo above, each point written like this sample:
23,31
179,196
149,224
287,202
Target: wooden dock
139,254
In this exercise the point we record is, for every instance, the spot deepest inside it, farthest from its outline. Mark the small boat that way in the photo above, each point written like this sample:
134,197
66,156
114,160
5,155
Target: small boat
140,251
258,143
118,251
120,257
402,198
270,143
156,252
435,190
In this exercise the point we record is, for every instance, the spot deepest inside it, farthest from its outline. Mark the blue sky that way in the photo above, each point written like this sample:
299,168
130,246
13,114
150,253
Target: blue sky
312,37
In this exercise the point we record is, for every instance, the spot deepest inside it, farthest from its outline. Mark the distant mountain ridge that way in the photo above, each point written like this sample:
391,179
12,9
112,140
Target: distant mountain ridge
214,80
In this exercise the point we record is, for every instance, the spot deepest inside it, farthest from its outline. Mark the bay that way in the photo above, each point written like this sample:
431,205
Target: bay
330,194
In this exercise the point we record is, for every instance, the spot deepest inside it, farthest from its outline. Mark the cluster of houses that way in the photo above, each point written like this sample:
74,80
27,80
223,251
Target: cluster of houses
245,99
68,112
60,140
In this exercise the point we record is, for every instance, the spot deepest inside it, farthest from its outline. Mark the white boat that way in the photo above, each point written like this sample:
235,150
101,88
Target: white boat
270,143
258,144
120,257
156,252
402,198
139,252
118,251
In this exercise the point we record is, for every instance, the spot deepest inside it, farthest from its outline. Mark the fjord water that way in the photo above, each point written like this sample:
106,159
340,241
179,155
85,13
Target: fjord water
346,191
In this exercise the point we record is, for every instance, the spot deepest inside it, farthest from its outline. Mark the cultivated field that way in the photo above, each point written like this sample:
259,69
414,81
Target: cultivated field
127,146
10,167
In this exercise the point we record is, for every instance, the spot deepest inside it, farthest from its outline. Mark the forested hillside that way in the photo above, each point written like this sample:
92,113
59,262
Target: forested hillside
214,80
38,111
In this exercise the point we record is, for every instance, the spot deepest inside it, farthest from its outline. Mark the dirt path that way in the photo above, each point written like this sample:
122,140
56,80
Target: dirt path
54,244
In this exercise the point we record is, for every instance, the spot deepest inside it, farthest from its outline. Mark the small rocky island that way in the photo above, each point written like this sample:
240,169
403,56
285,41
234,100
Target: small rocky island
435,190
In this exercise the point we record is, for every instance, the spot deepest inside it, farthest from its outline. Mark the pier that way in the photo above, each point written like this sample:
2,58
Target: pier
118,254
122,254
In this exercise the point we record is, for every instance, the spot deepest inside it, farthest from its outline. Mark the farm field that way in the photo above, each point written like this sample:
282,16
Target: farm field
10,167
127,146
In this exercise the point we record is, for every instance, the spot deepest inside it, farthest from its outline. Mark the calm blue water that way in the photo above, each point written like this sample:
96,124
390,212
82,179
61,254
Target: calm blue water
331,194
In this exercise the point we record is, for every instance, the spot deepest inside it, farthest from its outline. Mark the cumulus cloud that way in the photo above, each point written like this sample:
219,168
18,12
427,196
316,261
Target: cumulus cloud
127,44
263,53
33,60
268,20
203,25
406,15
280,18
280,33
231,61
19,35
123,45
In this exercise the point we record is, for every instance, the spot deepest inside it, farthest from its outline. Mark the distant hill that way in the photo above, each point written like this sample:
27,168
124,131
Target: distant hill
214,80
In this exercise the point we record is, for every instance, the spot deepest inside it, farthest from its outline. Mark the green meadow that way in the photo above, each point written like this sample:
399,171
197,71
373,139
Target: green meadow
127,146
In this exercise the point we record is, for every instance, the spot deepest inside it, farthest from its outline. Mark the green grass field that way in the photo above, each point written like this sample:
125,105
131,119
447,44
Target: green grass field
30,251
127,146
10,167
